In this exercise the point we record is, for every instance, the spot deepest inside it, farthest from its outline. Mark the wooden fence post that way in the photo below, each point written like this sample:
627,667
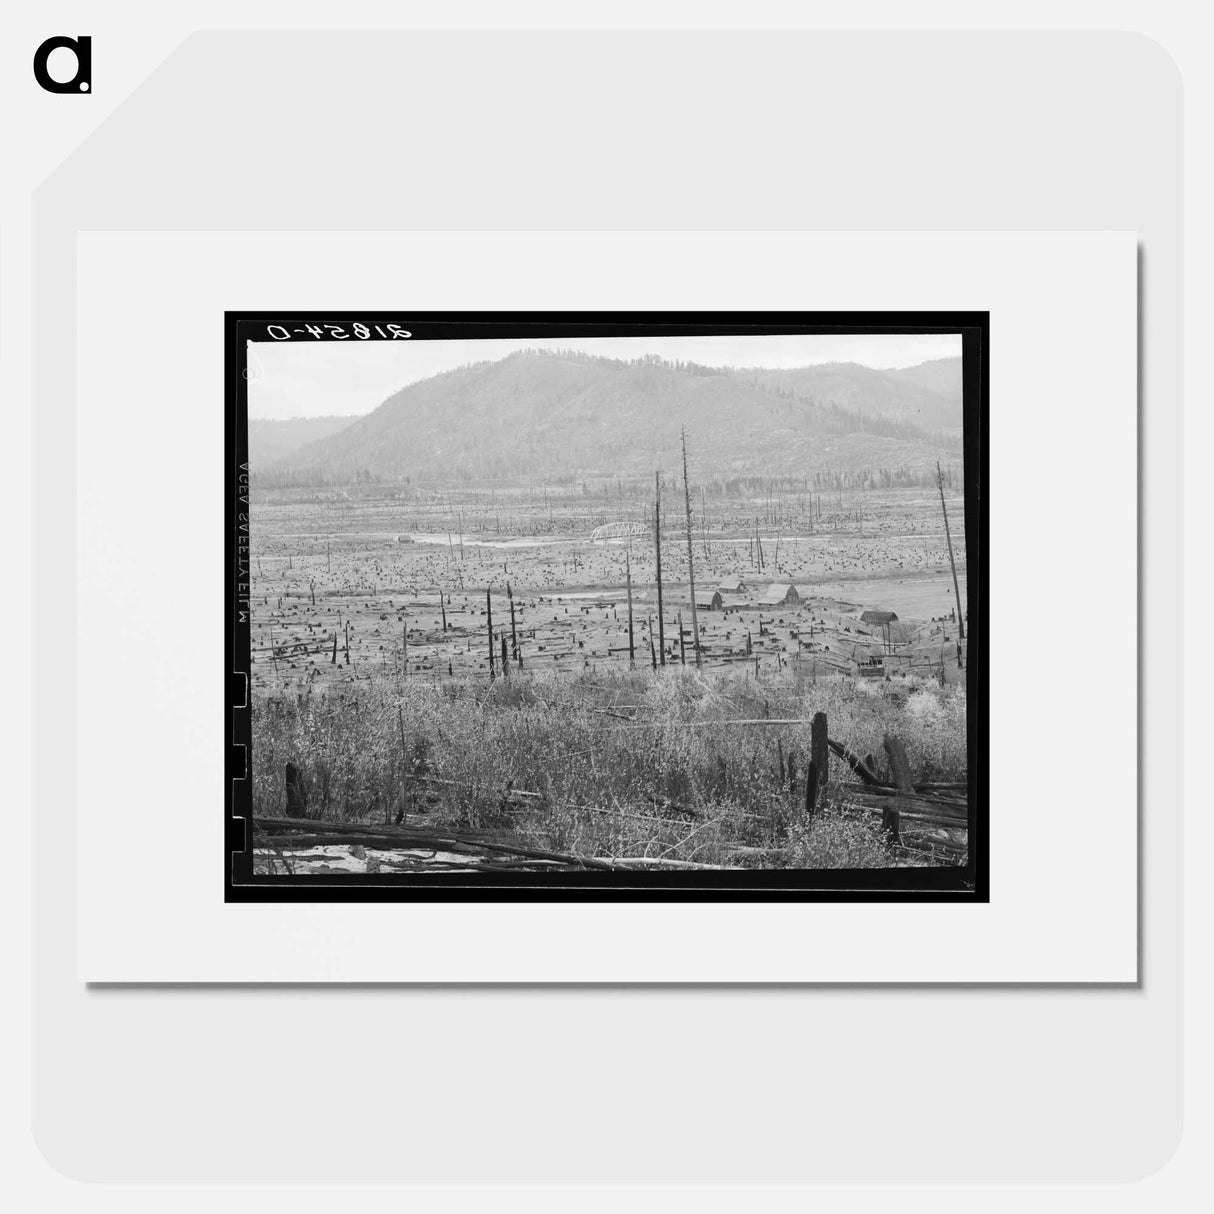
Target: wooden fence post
899,769
819,763
819,748
297,793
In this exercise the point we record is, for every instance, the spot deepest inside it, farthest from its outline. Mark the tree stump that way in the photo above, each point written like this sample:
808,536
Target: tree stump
297,793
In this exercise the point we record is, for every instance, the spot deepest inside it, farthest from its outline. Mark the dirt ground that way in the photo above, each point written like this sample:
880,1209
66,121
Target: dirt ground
357,584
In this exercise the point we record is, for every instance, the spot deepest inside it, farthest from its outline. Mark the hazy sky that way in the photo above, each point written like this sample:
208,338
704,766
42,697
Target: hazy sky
312,379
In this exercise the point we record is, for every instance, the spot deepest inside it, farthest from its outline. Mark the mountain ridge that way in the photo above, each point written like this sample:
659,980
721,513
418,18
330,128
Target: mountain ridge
564,414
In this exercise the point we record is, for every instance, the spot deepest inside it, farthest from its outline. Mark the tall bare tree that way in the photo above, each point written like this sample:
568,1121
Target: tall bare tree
691,572
657,547
949,536
628,573
489,631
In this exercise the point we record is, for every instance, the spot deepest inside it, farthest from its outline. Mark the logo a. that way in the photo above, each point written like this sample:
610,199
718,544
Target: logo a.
82,48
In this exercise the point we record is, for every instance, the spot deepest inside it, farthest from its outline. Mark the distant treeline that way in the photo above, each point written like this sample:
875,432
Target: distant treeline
829,481
286,476
832,482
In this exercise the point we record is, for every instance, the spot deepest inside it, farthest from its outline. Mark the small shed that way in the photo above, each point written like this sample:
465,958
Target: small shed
732,585
713,602
883,619
782,594
878,617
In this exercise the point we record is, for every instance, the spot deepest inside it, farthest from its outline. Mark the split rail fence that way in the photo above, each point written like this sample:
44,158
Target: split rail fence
920,820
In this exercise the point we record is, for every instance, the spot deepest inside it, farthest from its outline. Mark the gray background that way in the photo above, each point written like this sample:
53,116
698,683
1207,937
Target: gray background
562,131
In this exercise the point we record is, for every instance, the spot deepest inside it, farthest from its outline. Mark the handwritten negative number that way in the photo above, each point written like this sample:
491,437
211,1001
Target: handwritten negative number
388,332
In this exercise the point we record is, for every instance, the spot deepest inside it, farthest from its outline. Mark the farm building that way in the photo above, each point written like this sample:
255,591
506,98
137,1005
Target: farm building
883,619
732,585
782,594
710,602
878,617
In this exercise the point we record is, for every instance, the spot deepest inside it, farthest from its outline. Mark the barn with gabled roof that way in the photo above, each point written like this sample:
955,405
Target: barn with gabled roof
782,594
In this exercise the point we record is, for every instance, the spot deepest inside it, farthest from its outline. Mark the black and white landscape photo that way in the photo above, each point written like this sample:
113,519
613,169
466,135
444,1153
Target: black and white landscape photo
678,608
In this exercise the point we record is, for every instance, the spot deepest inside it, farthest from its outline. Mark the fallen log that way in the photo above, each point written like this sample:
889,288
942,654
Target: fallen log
303,840
406,835
945,805
401,862
881,805
383,838
854,762
387,837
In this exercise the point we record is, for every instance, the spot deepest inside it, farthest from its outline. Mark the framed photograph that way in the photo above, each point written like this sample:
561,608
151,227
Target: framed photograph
639,606
818,763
